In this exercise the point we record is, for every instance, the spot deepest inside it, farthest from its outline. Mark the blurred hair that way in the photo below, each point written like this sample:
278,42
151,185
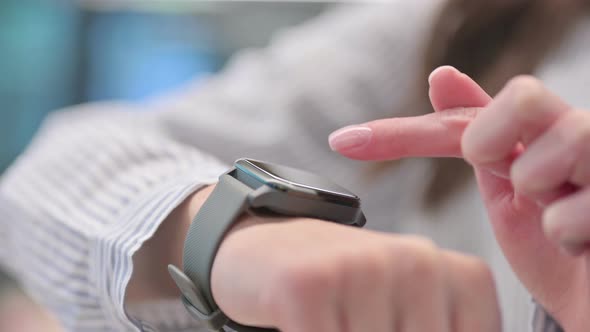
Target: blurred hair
491,41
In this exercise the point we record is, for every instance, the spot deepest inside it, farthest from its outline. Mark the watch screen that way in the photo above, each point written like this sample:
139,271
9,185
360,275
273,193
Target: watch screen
299,178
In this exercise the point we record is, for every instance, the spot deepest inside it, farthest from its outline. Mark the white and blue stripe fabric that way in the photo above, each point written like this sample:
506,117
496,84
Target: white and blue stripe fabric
543,322
80,207
98,179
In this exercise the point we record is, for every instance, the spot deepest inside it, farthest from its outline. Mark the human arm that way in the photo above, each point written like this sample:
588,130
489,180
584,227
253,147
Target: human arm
299,274
99,181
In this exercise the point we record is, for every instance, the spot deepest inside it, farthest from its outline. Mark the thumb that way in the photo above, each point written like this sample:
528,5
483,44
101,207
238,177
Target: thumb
451,89
457,100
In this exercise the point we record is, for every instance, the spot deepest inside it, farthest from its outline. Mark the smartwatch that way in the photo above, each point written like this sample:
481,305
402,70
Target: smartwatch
260,188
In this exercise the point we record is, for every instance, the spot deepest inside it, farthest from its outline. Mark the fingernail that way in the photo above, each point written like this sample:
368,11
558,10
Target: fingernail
350,137
438,70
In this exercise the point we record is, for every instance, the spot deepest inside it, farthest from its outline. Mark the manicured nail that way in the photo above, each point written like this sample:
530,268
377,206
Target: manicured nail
350,138
438,70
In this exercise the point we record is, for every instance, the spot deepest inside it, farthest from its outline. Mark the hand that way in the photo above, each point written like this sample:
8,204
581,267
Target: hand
304,275
309,275
531,154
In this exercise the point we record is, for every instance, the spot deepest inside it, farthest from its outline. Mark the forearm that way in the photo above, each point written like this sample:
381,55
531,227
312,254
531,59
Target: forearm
150,280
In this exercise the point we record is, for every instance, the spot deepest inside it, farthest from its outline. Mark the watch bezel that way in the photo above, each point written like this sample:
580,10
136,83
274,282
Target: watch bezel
308,191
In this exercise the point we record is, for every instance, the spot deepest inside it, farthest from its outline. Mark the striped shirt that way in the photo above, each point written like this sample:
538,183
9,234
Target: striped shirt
97,180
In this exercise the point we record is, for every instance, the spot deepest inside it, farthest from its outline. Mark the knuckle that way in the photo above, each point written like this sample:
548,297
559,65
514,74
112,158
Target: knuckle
370,270
373,262
526,85
419,261
299,283
524,82
478,274
420,243
527,93
578,123
304,281
573,132
523,178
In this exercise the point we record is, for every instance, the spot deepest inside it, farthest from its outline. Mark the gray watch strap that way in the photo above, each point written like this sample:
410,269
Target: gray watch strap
221,210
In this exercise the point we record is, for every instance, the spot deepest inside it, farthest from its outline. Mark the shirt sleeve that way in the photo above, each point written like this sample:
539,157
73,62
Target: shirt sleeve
543,322
98,180
92,187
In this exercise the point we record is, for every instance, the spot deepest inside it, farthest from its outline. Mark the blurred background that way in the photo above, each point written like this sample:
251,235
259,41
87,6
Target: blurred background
58,53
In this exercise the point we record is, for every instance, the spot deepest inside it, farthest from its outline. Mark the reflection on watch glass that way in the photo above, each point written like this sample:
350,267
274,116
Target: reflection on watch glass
301,178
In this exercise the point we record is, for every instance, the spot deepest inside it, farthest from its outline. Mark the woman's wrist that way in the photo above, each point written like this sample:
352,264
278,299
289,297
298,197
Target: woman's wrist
150,280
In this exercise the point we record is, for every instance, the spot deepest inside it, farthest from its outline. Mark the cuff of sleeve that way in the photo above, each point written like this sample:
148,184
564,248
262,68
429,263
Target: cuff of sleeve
162,316
543,322
113,250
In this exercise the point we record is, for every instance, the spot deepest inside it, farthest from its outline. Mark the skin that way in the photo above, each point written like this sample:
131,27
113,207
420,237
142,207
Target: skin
528,149
304,275
536,204
531,155
19,313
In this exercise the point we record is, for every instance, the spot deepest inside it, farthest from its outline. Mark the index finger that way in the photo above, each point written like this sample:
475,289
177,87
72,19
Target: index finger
455,97
431,135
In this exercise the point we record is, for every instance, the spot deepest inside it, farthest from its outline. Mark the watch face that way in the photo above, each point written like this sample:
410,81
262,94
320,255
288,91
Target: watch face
296,181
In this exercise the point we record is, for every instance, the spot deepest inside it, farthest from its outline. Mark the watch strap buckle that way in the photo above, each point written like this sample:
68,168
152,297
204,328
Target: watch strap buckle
195,303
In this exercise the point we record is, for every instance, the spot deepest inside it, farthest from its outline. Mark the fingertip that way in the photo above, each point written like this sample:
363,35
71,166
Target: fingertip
442,70
450,88
350,138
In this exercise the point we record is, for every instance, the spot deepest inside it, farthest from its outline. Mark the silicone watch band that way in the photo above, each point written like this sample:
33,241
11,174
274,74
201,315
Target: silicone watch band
222,209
